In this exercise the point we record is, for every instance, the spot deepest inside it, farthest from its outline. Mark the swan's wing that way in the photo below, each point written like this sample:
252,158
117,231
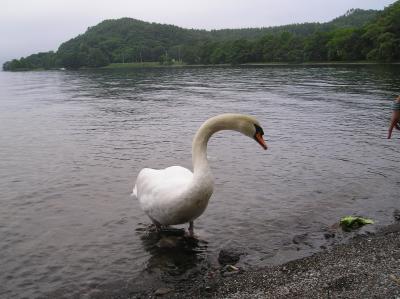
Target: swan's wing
155,188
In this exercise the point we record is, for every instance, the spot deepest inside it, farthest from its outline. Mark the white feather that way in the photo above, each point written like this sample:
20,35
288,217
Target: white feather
175,195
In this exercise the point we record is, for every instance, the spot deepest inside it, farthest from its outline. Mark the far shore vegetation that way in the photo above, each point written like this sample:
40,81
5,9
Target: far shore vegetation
137,65
129,65
359,36
120,65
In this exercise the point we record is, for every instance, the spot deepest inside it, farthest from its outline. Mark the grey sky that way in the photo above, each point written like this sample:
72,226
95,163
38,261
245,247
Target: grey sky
31,26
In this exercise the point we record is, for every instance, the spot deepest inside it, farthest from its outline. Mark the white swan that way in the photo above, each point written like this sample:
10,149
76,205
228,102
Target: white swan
175,195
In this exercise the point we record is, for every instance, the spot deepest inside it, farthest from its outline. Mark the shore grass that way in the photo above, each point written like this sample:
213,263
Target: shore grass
156,64
361,62
141,65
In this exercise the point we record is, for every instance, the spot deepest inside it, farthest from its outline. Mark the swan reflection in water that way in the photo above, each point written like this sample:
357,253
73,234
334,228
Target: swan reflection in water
173,255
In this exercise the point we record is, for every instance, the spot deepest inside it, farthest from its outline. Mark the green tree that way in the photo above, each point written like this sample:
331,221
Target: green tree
239,52
96,58
388,47
165,59
315,47
346,44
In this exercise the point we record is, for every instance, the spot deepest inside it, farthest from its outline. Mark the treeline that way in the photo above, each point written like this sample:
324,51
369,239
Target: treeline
358,35
44,60
378,39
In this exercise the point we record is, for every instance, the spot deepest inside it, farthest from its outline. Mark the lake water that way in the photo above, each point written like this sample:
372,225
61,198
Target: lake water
72,143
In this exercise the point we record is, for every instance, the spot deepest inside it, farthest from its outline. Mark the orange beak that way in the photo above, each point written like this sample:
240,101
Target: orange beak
258,137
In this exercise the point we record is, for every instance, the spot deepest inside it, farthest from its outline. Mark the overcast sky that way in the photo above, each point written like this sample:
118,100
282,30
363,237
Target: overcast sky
31,26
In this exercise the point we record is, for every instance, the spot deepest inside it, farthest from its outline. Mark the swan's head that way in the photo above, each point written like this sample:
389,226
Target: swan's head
245,124
250,127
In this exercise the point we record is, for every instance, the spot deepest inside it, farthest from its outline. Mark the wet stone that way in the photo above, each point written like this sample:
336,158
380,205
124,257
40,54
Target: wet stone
230,255
396,214
162,291
329,235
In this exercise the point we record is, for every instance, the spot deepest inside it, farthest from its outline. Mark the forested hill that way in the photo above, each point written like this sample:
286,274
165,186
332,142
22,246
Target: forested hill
357,35
353,18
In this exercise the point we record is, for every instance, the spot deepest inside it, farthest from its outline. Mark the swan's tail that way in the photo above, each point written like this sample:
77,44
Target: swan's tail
134,193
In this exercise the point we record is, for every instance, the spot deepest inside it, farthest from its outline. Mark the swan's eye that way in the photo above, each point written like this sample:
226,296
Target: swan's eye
258,136
259,130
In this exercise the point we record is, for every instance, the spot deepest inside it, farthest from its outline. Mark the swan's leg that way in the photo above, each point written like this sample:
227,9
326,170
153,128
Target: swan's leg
157,225
191,229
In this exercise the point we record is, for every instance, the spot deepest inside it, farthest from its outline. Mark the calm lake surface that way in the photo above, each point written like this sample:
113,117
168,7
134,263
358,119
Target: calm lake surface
72,143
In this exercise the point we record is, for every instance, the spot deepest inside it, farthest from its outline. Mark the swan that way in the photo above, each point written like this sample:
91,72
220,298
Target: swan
175,195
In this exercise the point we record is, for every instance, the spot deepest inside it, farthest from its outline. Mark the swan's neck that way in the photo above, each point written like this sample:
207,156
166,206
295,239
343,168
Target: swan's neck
201,187
199,151
199,146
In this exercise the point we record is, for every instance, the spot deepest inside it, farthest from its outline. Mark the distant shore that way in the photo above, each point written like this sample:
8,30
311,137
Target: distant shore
149,64
177,65
154,64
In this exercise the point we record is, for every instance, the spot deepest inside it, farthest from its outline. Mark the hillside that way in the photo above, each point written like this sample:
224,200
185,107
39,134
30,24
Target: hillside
357,35
353,18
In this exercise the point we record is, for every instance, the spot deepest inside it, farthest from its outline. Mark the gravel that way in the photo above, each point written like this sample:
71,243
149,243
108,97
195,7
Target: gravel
365,267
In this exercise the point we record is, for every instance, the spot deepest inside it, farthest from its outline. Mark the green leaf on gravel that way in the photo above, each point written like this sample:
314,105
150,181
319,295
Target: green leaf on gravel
353,222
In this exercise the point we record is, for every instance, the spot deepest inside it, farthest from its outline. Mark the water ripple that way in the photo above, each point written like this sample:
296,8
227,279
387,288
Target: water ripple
72,143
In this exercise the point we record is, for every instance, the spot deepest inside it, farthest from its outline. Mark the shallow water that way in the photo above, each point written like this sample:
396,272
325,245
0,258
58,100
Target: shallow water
72,143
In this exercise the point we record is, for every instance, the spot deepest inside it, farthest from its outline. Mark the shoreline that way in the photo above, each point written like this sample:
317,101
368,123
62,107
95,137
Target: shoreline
365,266
151,65
257,64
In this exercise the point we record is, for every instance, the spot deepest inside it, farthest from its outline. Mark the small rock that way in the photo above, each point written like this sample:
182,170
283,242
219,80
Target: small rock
162,291
396,215
230,256
230,268
395,279
298,239
329,235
